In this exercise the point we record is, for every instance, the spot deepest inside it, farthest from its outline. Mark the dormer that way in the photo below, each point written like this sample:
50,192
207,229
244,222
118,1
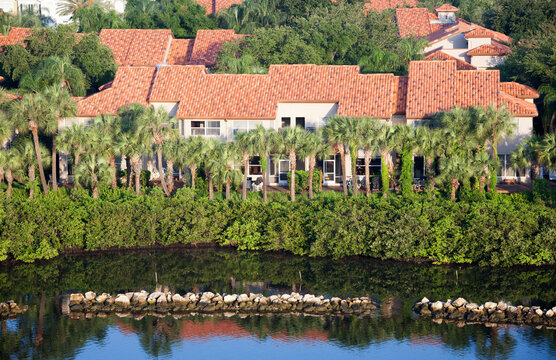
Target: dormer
446,13
478,37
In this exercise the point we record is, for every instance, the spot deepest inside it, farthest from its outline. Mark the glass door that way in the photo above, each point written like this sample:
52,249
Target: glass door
329,168
283,169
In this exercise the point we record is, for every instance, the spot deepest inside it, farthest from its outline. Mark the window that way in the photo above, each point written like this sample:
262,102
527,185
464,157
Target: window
247,125
299,164
300,121
286,122
205,128
505,169
374,166
255,167
418,167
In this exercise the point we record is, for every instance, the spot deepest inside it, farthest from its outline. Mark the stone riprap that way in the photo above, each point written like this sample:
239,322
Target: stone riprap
10,310
491,312
210,303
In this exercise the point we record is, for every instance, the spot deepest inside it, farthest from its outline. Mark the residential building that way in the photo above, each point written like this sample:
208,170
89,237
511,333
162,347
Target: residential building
220,105
455,38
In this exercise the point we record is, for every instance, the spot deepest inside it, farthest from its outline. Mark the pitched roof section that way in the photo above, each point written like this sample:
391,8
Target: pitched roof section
400,95
15,36
477,88
440,55
414,21
208,43
446,8
480,32
137,47
494,49
131,85
517,107
180,51
381,5
519,90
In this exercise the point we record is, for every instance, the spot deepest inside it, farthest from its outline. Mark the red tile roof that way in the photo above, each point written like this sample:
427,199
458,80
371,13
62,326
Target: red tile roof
137,47
480,32
517,107
400,94
519,90
208,43
131,85
381,5
15,36
180,51
446,8
440,55
413,21
494,49
477,88
214,6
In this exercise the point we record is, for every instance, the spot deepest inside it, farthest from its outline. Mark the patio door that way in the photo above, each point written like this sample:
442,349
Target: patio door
283,169
329,171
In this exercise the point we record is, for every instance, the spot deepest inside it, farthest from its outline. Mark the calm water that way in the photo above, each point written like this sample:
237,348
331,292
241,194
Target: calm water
43,332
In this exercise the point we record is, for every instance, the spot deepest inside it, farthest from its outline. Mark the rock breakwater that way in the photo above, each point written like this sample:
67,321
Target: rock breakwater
490,312
10,310
208,303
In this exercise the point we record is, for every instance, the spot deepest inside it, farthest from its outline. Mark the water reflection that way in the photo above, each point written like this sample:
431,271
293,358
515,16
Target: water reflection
44,332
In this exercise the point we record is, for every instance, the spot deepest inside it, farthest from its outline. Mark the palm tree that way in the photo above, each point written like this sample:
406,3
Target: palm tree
379,61
289,141
193,148
172,154
55,70
453,170
157,125
246,142
29,114
11,162
313,147
405,142
371,145
72,140
547,155
133,145
387,143
6,133
26,155
228,154
68,7
549,101
211,166
61,106
334,134
93,172
109,128
261,145
427,143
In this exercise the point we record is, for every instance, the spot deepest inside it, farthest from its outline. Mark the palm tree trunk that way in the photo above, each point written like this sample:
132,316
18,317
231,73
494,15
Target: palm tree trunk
193,170
264,166
292,181
211,190
494,175
385,172
170,176
128,171
228,186
245,170
31,174
53,167
482,180
112,162
455,184
35,133
2,174
535,170
9,180
343,165
312,162
367,172
161,171
430,173
137,170
353,155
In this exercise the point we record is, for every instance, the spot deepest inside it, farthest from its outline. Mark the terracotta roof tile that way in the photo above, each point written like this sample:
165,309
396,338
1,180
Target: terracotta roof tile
208,43
517,107
180,51
440,55
519,90
214,6
137,47
174,81
480,32
494,49
15,36
381,5
431,88
131,85
477,88
400,95
446,8
413,21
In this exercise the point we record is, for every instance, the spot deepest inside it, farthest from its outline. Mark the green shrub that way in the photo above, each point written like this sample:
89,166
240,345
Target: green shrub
302,181
145,178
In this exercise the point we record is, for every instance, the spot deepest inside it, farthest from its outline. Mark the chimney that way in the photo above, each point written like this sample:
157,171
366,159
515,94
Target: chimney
446,13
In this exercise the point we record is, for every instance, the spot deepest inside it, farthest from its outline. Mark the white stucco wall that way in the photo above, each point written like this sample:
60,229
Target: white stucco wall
315,114
483,62
523,130
453,42
476,42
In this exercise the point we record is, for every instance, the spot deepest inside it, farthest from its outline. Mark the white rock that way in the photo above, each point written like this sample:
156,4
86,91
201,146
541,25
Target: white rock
76,298
285,297
437,306
90,296
207,295
122,300
539,312
502,306
193,298
490,305
335,300
162,300
178,299
153,297
242,298
550,313
228,299
424,300
102,298
459,302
